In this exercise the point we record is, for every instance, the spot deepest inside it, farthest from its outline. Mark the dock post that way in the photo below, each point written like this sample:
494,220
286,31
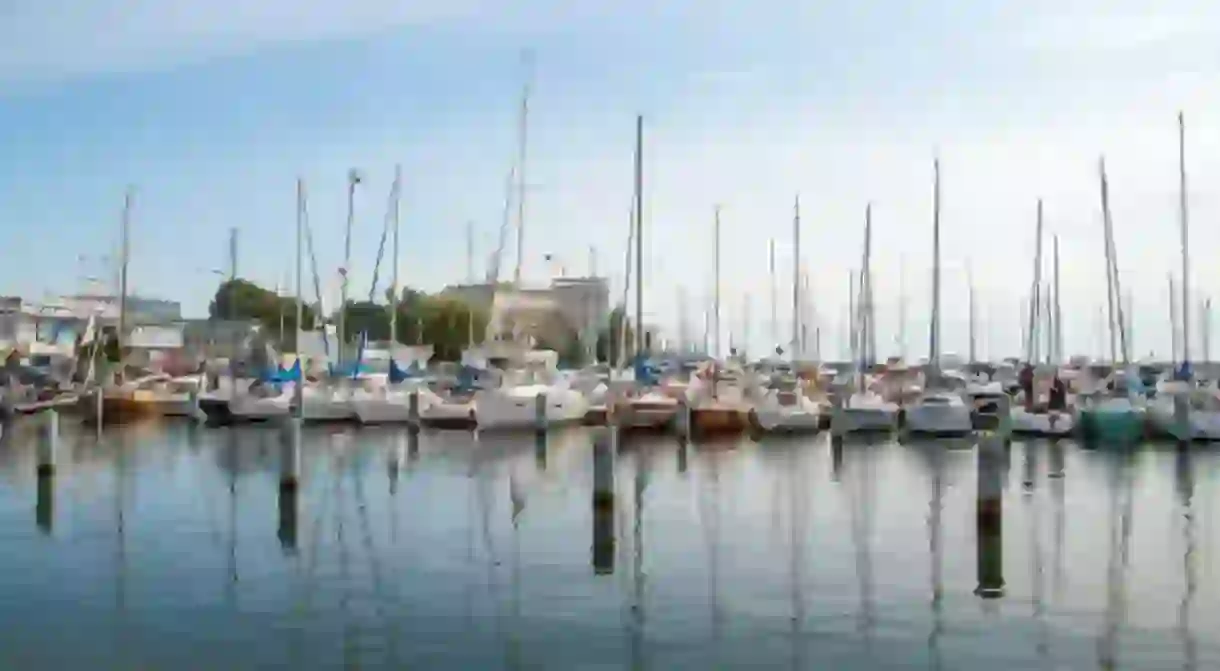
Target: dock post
836,415
683,419
540,418
413,410
1181,419
604,446
290,473
989,519
99,400
48,444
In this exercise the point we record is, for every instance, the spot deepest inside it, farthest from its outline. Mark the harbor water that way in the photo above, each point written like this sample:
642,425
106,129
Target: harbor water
166,546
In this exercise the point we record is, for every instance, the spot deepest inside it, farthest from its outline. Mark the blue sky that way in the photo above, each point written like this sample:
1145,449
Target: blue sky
212,109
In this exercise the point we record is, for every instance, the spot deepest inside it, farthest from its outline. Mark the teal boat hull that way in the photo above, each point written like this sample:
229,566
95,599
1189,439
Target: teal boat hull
1112,427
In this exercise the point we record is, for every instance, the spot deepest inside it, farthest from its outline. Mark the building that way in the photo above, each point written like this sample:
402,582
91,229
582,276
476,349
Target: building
579,305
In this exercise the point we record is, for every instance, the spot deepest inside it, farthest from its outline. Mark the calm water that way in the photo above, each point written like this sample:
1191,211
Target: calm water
169,547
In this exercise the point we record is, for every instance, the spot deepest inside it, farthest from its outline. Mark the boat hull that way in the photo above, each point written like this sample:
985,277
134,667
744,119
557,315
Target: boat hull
939,420
1050,424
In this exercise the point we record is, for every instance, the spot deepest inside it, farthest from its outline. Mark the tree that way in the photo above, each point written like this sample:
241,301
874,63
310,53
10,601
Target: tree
241,300
609,338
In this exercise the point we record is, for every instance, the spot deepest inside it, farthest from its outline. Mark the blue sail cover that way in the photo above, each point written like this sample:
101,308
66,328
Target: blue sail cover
645,374
398,374
467,378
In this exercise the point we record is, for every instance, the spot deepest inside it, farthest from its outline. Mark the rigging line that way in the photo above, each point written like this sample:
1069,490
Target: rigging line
385,232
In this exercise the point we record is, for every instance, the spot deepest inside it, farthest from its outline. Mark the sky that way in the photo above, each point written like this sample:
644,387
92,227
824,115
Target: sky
210,110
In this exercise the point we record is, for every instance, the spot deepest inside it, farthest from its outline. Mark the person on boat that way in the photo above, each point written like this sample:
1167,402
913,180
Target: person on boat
1026,379
1058,395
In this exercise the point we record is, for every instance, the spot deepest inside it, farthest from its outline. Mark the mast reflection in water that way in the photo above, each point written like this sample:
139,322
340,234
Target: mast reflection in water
447,551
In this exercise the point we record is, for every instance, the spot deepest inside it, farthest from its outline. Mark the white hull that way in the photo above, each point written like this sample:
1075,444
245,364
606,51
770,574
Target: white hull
939,415
254,409
771,416
1202,424
864,413
513,409
1053,423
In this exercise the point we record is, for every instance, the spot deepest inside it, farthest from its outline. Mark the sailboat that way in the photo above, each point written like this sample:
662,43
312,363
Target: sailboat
937,411
1031,419
864,410
1116,414
1200,407
782,406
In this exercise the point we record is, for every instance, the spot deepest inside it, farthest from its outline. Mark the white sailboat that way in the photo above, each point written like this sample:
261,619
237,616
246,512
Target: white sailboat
937,411
864,410
1032,420
1181,410
781,406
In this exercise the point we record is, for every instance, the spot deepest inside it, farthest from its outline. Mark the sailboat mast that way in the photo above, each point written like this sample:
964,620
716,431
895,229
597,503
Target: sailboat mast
296,392
1183,213
970,310
1173,321
865,306
933,355
1111,299
394,291
934,327
124,260
353,178
1035,307
1207,330
716,286
774,311
1057,310
639,235
522,139
796,276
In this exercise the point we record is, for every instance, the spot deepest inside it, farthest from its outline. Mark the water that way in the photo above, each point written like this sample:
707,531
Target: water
171,547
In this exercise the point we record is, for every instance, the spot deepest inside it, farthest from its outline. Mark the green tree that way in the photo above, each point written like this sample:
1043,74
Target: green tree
609,338
242,300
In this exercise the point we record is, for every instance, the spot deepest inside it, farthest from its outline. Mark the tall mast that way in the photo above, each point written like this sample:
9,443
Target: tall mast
527,59
796,275
865,306
299,384
639,235
1182,210
1057,310
774,312
353,178
934,328
716,286
745,327
124,260
1173,321
970,309
1035,305
394,291
1111,298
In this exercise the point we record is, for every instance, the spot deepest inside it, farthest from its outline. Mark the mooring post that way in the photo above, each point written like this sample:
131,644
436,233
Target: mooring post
413,410
290,473
540,418
989,518
48,442
604,447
